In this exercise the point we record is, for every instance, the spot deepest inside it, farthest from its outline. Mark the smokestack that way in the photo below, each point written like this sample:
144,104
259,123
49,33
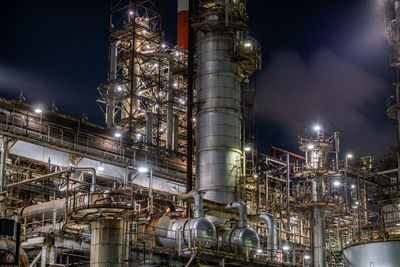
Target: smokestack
183,26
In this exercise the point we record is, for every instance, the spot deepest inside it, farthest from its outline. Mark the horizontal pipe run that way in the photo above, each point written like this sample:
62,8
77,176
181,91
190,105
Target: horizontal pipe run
55,174
273,148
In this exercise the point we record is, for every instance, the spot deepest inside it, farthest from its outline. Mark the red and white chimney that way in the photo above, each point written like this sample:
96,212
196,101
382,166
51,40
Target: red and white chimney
183,26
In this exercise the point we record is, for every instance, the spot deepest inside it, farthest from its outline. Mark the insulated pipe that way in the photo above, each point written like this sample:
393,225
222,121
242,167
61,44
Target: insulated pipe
241,207
271,233
198,202
44,210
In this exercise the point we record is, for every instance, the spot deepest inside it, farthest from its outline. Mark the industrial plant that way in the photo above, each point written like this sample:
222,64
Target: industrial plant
174,176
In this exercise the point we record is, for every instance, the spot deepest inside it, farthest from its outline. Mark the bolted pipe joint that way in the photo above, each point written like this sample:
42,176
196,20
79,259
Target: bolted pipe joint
242,209
198,202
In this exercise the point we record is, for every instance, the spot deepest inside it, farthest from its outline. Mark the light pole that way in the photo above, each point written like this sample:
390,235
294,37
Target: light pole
317,128
119,136
346,166
39,110
348,156
145,170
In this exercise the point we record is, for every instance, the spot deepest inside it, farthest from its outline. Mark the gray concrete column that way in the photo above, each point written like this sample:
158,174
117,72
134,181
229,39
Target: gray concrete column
109,246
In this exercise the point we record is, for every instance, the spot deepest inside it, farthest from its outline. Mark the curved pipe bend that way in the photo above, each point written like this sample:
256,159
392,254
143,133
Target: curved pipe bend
271,232
242,209
198,202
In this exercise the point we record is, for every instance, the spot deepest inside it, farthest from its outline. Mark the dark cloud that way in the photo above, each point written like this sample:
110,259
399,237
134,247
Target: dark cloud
294,93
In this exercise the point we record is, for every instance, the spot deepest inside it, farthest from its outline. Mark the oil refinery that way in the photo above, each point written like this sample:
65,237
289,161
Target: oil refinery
174,176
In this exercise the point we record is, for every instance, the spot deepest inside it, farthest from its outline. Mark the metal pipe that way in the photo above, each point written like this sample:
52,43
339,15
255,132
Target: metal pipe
175,133
89,169
387,171
151,192
3,163
266,188
33,263
149,128
198,202
273,148
272,244
43,177
241,207
337,149
189,103
44,210
55,174
318,238
111,86
170,108
288,184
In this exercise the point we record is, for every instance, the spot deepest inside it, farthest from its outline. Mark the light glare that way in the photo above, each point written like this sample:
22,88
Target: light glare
310,146
143,169
337,183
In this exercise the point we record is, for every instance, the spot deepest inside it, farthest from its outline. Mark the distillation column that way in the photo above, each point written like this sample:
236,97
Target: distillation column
218,117
109,245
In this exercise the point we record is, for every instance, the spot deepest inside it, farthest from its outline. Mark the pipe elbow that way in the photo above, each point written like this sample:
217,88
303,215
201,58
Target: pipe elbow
198,202
242,209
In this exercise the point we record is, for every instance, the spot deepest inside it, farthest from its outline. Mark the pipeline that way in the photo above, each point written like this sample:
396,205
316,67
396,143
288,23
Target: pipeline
198,202
55,174
241,207
272,244
241,240
174,231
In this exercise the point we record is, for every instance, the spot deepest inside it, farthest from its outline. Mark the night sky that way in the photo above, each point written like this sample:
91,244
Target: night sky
322,61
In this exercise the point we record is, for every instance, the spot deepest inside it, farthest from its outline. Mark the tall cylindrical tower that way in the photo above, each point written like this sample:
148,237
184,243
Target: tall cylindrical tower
220,72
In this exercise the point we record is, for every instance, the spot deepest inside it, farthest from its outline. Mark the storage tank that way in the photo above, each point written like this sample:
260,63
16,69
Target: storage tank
242,241
374,254
173,231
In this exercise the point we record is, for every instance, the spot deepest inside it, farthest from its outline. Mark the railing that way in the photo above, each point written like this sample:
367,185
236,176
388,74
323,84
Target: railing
107,149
